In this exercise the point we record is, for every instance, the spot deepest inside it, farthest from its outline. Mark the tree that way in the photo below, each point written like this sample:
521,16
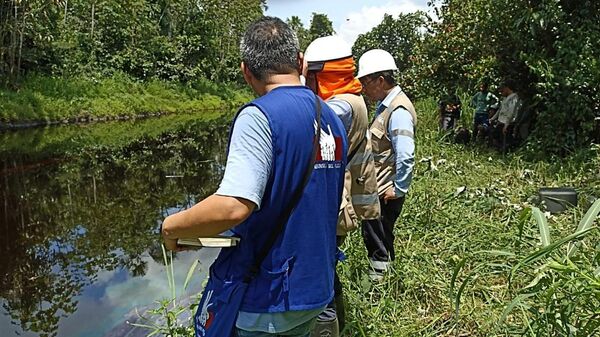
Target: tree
229,20
397,36
298,27
320,26
165,39
549,48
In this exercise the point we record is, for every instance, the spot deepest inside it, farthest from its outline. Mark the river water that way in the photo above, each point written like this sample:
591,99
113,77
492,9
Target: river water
80,208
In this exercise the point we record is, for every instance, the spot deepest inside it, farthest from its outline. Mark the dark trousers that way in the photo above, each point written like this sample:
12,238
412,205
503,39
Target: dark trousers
480,124
378,234
336,308
500,140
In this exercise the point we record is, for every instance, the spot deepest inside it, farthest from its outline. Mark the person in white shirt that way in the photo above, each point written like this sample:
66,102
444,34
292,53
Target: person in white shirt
504,118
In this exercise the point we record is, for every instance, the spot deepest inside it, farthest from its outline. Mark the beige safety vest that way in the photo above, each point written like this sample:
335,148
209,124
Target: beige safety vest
385,162
359,199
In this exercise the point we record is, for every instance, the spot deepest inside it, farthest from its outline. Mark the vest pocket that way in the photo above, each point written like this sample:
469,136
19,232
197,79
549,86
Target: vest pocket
377,133
271,286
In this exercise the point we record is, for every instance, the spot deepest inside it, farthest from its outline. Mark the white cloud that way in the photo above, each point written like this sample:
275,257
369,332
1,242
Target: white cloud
368,17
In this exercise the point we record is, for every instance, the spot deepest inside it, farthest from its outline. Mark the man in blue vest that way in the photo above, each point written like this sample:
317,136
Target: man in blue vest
270,147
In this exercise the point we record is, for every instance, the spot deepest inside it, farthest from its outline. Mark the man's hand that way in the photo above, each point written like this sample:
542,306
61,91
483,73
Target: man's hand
390,194
171,244
505,129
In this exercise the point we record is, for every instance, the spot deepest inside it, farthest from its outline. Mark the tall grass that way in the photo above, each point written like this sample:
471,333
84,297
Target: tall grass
170,317
465,225
474,258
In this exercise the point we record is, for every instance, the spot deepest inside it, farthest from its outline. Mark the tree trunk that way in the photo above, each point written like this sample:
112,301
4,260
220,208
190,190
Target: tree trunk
93,15
13,43
93,44
66,8
20,53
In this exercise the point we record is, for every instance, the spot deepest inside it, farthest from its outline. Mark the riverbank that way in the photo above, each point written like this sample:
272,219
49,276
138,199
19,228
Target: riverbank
469,256
41,100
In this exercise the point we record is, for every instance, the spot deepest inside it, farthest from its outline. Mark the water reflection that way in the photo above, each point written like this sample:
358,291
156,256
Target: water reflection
78,219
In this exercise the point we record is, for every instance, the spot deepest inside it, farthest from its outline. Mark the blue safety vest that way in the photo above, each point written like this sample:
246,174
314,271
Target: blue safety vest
298,272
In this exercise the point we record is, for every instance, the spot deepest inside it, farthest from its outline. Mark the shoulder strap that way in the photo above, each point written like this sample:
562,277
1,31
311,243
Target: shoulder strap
285,215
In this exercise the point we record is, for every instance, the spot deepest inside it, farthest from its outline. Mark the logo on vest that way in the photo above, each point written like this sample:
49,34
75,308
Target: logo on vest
330,148
206,317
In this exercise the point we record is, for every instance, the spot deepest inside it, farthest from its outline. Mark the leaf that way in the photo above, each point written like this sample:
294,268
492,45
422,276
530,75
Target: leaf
189,274
455,274
549,249
169,267
586,223
462,289
542,222
524,217
496,252
515,302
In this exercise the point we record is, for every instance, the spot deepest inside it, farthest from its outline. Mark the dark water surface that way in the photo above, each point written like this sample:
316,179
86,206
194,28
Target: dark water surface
80,208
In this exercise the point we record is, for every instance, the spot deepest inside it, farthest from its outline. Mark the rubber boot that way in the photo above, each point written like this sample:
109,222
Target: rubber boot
328,328
338,303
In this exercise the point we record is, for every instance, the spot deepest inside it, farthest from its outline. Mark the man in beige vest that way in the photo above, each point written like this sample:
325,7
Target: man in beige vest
330,74
392,131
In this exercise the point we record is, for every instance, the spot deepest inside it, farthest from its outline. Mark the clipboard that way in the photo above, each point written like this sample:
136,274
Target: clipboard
210,242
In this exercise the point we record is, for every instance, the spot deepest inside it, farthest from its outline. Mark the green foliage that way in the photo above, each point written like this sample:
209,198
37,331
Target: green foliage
320,26
302,33
164,320
57,99
399,37
147,39
455,250
561,300
549,48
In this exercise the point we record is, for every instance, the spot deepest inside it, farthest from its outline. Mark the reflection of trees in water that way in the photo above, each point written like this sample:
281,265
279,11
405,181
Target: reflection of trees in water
98,210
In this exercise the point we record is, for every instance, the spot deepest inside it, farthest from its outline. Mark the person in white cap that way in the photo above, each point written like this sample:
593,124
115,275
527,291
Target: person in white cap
330,74
392,130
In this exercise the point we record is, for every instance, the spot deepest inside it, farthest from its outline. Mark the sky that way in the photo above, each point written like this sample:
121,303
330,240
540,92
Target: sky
350,17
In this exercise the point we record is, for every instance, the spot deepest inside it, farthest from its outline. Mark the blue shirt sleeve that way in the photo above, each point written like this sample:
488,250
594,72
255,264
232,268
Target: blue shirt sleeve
401,131
343,110
250,157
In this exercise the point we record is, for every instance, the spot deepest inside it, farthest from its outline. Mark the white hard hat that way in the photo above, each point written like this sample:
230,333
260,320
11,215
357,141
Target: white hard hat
327,48
374,61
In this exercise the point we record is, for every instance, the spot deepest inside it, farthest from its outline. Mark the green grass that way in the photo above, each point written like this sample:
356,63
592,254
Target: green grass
455,250
42,98
471,258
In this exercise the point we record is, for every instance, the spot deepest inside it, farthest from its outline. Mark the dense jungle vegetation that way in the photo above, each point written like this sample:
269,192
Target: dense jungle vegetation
476,258
550,48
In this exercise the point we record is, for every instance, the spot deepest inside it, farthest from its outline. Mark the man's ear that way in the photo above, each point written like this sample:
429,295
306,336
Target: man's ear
302,65
246,73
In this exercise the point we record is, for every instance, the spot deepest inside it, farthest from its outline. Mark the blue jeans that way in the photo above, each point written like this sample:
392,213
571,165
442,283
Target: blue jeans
302,330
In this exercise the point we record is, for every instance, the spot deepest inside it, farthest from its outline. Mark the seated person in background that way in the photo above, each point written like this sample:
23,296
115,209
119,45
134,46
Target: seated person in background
482,102
449,107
